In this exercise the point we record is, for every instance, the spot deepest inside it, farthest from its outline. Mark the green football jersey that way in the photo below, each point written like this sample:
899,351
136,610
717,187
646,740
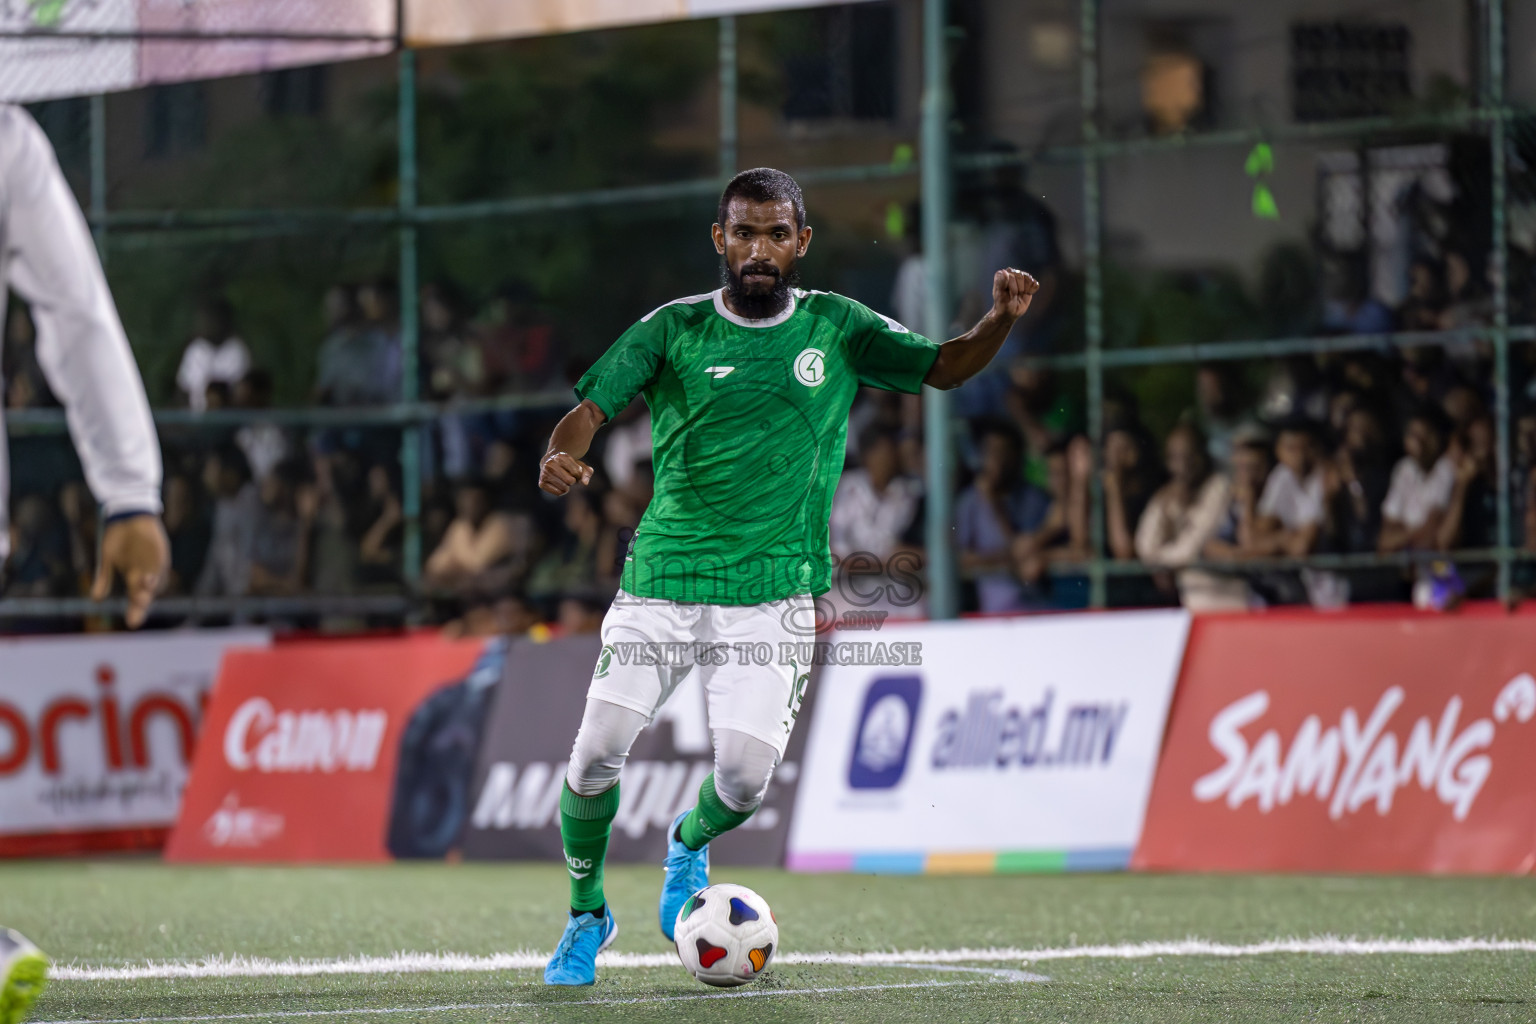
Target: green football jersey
748,423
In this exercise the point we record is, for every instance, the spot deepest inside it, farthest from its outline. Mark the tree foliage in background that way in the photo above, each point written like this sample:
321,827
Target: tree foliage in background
551,115
564,114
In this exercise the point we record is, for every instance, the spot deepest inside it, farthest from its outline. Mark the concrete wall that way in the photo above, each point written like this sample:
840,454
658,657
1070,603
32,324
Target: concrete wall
1192,208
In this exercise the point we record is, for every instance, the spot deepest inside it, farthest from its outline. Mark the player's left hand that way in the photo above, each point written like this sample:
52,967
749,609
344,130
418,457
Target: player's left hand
1012,291
137,549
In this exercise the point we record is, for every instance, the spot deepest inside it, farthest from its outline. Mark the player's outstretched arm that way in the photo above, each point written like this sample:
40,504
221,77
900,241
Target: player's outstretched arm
562,468
964,357
85,356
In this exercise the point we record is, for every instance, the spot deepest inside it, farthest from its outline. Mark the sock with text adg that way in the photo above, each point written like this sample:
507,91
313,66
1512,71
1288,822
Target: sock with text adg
709,817
585,824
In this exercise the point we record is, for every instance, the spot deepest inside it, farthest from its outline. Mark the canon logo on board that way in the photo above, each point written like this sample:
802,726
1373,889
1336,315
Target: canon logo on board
261,738
122,728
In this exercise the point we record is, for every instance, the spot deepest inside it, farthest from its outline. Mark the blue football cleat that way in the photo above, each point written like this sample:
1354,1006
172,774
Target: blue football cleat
686,872
575,959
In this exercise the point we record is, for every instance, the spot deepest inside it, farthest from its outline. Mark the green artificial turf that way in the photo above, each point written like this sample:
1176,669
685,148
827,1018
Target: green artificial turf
128,912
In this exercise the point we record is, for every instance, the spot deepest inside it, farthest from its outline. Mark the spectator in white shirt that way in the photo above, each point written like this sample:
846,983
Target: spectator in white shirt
629,443
1183,516
216,354
1295,512
1292,511
264,443
1422,485
874,531
875,506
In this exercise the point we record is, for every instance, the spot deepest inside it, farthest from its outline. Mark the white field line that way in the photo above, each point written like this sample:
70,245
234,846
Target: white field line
548,1004
447,963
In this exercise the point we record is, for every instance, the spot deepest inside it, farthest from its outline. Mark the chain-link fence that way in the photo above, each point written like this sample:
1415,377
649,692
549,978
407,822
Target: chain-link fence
359,291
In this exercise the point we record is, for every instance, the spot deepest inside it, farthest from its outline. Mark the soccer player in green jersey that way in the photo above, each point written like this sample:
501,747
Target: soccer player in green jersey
749,388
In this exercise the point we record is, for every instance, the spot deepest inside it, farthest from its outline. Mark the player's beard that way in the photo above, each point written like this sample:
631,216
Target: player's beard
759,305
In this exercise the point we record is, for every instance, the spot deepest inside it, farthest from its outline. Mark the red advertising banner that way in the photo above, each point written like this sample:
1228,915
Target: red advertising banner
1350,743
301,748
97,734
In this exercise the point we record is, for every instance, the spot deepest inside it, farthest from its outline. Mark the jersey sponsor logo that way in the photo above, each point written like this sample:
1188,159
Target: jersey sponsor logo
811,367
718,371
883,739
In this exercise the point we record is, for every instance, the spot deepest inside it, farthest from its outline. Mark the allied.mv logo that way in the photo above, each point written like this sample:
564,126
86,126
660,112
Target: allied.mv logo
811,367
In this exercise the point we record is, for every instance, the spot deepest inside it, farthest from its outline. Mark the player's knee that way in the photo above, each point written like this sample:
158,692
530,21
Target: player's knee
742,771
596,761
592,776
601,748
741,786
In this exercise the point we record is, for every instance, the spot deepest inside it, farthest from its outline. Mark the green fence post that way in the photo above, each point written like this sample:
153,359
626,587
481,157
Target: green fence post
1498,142
410,328
1093,289
728,93
943,589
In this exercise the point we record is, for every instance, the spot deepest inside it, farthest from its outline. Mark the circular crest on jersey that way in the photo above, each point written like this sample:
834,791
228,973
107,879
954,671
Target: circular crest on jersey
811,367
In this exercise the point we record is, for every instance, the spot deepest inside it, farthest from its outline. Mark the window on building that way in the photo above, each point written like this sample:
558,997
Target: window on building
298,92
176,119
843,64
1348,69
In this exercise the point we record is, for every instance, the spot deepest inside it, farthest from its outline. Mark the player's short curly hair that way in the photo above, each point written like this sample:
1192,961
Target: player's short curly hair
763,185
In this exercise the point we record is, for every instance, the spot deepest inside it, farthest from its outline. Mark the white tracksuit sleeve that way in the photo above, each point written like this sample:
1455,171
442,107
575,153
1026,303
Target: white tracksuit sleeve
47,257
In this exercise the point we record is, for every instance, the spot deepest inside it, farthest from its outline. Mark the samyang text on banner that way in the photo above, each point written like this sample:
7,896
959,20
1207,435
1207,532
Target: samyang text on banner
1351,743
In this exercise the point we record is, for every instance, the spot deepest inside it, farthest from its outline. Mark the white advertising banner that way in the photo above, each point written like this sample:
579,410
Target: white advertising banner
431,22
56,48
1003,745
96,732
54,59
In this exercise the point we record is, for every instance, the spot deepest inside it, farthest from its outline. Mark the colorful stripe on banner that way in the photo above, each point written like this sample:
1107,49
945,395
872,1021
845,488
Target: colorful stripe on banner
1007,862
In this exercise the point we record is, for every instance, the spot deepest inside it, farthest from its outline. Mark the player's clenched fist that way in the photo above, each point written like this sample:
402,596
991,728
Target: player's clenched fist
1012,291
559,472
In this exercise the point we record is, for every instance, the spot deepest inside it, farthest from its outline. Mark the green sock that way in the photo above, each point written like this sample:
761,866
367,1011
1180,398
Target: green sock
585,824
709,817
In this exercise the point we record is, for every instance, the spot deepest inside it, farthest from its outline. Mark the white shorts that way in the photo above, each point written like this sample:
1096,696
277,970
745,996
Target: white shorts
753,678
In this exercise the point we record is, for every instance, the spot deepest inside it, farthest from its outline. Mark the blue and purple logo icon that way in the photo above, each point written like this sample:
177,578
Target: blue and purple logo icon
883,738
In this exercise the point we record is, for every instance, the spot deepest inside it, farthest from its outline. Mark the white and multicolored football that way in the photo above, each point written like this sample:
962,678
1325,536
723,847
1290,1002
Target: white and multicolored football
726,935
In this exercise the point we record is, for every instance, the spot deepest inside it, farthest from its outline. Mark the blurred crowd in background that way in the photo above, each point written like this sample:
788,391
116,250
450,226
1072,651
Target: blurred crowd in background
1371,450
1209,483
